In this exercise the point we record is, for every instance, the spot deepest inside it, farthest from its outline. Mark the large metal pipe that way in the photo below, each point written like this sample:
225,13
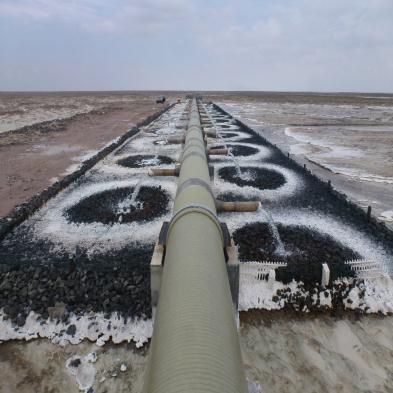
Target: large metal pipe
195,345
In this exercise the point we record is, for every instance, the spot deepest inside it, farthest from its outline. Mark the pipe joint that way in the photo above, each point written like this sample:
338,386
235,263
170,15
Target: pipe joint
200,209
193,153
194,181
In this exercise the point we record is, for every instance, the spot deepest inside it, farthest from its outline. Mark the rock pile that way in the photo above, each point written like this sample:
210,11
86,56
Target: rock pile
239,150
150,203
262,178
140,161
79,285
305,252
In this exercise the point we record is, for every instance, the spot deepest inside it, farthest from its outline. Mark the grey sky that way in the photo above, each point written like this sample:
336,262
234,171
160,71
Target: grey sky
319,45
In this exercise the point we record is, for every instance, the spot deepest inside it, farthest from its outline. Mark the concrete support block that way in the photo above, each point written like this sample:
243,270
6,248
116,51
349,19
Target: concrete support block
233,275
325,275
156,268
272,278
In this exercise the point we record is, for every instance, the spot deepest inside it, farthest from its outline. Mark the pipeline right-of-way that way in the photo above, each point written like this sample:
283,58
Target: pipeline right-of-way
195,345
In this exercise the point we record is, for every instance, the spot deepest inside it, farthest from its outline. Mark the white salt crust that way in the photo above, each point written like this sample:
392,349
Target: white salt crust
378,296
262,153
93,327
52,223
293,183
239,135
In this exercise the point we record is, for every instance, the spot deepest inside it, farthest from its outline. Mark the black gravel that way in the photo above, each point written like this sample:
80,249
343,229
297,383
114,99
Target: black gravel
75,362
264,179
239,150
231,197
114,281
312,298
307,251
228,134
137,161
151,202
37,275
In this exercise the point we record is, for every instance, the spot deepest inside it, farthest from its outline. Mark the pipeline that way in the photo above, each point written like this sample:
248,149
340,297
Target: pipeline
195,345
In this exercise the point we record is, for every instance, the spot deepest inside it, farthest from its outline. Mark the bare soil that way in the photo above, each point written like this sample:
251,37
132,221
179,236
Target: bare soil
32,160
40,366
282,352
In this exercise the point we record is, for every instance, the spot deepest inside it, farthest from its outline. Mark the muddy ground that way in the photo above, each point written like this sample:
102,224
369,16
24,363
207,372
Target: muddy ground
282,353
40,153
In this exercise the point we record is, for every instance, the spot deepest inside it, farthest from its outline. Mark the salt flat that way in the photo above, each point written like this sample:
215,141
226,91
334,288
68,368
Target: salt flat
345,138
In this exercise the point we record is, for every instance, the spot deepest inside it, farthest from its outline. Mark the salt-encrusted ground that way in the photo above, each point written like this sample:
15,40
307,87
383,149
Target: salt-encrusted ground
87,271
52,238
300,202
346,139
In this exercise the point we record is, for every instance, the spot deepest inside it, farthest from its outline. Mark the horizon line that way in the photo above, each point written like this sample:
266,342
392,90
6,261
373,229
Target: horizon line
199,91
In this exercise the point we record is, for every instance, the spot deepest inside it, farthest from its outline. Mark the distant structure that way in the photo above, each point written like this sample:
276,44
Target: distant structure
160,100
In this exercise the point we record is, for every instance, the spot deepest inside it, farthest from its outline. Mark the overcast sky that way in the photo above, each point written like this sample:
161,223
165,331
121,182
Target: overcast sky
307,45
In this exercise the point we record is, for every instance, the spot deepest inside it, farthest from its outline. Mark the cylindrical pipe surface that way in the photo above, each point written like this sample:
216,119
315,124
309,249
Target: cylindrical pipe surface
195,345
